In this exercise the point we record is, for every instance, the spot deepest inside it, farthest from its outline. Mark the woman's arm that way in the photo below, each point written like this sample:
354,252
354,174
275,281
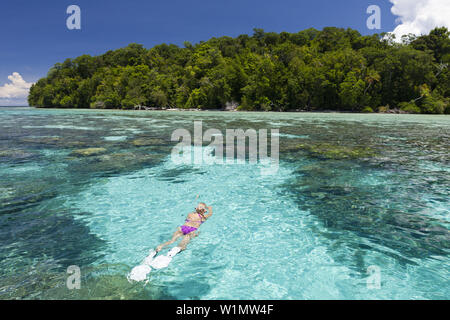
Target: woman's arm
210,212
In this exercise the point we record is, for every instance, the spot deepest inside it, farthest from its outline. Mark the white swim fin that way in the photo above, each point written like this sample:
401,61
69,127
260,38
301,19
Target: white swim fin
163,261
149,258
174,251
140,272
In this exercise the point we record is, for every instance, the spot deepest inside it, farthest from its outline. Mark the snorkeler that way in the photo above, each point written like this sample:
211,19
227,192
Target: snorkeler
191,224
187,231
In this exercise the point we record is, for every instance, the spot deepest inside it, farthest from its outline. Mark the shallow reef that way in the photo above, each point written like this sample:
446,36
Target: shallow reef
88,152
144,142
106,282
330,151
348,201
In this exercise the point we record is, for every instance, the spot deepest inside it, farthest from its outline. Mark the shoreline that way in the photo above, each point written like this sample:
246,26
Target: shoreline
392,112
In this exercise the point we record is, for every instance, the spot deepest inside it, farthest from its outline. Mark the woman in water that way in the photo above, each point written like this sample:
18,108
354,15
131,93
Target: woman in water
191,224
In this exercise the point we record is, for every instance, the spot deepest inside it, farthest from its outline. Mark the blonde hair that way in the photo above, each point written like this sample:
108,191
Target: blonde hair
201,211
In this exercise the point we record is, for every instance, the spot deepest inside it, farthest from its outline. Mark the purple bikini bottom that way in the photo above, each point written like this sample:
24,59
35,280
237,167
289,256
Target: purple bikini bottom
187,229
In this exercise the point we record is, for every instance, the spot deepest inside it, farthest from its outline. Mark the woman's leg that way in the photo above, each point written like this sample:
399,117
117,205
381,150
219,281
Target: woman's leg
186,239
175,236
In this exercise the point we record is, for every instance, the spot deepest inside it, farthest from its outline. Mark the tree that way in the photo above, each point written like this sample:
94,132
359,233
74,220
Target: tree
332,69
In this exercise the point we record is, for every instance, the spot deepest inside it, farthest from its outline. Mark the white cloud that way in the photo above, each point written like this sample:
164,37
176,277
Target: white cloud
17,89
420,16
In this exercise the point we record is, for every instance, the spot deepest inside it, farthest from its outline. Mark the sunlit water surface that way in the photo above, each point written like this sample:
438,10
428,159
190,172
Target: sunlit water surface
353,192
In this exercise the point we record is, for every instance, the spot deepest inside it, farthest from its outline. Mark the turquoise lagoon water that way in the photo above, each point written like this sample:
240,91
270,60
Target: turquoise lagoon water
310,231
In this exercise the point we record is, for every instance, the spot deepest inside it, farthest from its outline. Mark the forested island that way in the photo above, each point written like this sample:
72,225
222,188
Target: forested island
333,69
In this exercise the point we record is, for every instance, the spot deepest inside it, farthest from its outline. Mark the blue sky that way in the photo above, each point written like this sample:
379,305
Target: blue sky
34,35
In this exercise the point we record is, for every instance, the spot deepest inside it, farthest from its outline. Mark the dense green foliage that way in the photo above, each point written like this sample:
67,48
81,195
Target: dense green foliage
332,69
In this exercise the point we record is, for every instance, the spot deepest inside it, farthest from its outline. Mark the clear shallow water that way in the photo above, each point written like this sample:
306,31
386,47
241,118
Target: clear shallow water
308,232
